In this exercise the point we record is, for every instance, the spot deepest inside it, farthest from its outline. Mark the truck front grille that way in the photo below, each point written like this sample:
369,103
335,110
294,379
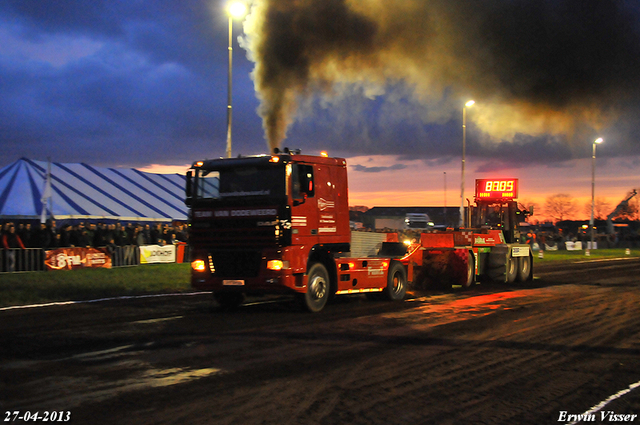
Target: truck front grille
236,264
232,234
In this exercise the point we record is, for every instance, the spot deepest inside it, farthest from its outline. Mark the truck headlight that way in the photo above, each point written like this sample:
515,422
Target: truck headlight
198,265
277,265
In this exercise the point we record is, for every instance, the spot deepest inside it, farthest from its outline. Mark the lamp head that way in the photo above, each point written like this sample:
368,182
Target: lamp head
470,103
598,140
237,9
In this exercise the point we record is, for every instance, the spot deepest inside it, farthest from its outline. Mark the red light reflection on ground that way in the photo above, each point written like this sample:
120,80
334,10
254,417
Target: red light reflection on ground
450,308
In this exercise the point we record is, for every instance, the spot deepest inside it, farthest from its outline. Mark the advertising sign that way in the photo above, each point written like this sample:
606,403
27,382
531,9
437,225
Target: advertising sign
151,254
77,258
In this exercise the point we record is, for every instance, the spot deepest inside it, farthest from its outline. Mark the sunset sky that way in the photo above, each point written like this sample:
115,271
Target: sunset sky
380,82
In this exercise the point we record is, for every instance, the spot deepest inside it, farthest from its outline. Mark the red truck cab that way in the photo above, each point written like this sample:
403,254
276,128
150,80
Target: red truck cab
271,224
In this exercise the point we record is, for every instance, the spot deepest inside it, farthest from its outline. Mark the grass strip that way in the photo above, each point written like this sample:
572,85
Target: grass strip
87,284
595,254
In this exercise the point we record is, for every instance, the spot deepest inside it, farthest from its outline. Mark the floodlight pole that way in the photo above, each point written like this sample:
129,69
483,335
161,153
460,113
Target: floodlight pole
464,147
229,88
593,187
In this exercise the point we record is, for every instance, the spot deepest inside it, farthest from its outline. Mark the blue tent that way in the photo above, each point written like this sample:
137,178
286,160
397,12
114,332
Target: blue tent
81,191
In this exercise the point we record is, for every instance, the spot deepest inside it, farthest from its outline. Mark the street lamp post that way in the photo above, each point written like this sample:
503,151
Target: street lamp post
464,147
593,186
235,9
445,199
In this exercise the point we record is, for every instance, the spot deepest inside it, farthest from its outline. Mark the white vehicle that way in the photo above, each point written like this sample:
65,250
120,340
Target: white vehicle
418,221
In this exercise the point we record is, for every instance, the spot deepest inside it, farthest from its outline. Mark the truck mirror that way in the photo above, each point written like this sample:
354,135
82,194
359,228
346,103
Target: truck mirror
300,201
189,183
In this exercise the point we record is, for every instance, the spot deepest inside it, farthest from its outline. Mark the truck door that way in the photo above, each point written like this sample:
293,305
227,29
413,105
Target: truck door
304,212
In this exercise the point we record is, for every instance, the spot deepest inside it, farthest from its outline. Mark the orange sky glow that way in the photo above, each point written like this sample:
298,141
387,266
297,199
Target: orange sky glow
422,185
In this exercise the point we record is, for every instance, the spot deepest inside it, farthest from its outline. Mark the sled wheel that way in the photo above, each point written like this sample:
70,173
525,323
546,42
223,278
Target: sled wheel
512,269
524,268
471,273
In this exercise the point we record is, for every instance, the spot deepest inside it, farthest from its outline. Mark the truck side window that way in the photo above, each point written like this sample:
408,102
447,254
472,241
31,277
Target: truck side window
302,181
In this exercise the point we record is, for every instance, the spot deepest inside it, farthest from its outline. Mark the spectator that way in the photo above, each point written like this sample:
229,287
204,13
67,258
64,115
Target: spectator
90,230
139,236
111,246
181,232
10,242
130,231
119,235
155,234
84,237
44,237
25,233
147,234
99,235
10,239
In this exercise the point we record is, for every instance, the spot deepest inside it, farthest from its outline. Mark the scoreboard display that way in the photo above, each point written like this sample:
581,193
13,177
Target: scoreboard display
498,189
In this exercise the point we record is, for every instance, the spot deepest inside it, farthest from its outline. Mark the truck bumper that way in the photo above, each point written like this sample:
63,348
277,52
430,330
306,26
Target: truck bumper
268,283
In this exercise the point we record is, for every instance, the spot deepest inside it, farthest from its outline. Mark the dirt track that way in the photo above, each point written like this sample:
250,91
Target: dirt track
493,355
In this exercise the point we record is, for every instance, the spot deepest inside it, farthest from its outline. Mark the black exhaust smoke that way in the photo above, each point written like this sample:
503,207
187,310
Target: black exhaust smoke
536,66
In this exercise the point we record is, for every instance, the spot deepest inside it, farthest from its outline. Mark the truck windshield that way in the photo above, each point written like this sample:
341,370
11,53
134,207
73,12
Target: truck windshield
240,182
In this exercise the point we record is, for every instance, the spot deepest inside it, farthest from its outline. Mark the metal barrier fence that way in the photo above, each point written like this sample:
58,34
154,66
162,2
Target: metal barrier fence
22,260
125,256
33,259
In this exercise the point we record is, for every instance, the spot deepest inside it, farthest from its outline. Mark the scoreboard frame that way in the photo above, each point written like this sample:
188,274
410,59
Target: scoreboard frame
496,189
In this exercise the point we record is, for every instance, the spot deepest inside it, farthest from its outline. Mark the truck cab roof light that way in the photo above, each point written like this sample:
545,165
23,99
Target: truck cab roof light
275,159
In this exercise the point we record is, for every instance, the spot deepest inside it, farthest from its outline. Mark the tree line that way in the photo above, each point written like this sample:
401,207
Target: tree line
562,206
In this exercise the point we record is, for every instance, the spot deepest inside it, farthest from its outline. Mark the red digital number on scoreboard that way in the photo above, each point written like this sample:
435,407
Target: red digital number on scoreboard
506,189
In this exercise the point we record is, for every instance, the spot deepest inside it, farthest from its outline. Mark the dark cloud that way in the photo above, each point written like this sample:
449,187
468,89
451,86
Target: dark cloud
152,90
365,169
536,67
139,82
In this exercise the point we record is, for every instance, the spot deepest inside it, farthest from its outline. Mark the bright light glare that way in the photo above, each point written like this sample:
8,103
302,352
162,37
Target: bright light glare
470,103
237,9
599,140
198,265
277,265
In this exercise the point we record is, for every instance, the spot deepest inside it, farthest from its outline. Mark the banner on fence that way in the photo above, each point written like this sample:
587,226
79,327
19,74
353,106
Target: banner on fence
150,254
573,246
77,258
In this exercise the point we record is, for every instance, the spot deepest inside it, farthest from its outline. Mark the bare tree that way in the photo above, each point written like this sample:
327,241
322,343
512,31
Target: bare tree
631,211
601,208
560,206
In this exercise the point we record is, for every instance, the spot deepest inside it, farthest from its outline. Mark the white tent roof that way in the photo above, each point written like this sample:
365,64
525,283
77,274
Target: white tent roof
81,191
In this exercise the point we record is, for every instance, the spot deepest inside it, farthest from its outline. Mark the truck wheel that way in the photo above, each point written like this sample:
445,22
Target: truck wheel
318,288
524,268
229,300
512,269
396,282
471,273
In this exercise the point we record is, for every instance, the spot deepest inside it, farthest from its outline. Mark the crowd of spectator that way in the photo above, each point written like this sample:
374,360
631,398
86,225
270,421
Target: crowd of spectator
88,234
